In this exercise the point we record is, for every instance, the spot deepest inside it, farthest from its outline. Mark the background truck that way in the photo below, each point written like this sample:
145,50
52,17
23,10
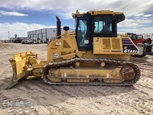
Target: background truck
144,45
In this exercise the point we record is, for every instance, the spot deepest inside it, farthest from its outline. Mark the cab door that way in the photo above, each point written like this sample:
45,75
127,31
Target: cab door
83,34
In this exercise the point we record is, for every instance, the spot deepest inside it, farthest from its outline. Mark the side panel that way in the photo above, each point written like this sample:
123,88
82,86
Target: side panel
129,47
107,46
63,48
114,46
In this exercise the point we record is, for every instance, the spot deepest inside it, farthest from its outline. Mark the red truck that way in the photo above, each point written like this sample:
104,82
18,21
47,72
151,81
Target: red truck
145,45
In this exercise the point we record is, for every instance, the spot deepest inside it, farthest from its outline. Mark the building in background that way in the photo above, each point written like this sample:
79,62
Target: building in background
42,34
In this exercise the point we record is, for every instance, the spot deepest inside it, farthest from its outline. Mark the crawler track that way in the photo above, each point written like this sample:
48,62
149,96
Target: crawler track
108,61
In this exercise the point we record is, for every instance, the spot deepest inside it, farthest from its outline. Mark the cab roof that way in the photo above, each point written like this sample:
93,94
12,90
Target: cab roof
120,16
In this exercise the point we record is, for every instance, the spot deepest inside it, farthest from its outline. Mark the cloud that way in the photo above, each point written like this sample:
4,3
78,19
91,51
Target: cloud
144,30
12,13
128,23
130,7
139,16
143,19
136,26
147,15
18,28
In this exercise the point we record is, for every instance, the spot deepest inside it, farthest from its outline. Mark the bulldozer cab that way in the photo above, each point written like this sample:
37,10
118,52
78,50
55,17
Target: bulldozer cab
92,25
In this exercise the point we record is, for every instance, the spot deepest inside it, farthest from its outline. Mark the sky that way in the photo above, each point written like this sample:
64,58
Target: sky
20,16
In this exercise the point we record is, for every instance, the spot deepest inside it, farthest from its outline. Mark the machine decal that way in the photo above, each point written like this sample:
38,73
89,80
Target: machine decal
58,43
65,74
97,40
129,49
126,41
107,75
56,55
86,41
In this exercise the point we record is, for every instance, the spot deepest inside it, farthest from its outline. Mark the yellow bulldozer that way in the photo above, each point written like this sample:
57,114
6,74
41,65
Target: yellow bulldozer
93,55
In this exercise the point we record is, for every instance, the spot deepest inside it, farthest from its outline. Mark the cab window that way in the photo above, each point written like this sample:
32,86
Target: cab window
103,25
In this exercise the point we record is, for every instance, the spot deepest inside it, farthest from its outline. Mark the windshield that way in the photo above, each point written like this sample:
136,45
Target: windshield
82,27
140,36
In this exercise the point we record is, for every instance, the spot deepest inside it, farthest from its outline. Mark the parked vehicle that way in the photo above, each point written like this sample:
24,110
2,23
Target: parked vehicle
36,41
27,41
144,45
16,40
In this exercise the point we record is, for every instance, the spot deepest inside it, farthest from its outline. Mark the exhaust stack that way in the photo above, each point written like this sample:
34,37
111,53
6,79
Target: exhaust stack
58,24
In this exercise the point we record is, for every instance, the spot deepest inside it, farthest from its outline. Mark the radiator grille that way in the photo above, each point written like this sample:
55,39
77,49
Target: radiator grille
116,44
106,44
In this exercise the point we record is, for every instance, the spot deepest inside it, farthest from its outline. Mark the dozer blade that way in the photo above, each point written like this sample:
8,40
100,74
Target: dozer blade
20,63
11,84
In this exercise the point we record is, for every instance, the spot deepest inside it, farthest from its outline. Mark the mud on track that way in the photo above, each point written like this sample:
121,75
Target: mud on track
76,100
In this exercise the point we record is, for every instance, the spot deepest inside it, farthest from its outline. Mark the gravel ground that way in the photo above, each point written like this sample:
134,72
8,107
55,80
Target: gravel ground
34,97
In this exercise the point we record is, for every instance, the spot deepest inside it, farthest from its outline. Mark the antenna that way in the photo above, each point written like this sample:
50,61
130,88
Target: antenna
123,10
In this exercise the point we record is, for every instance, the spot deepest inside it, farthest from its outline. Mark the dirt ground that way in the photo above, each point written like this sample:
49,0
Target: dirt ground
74,100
